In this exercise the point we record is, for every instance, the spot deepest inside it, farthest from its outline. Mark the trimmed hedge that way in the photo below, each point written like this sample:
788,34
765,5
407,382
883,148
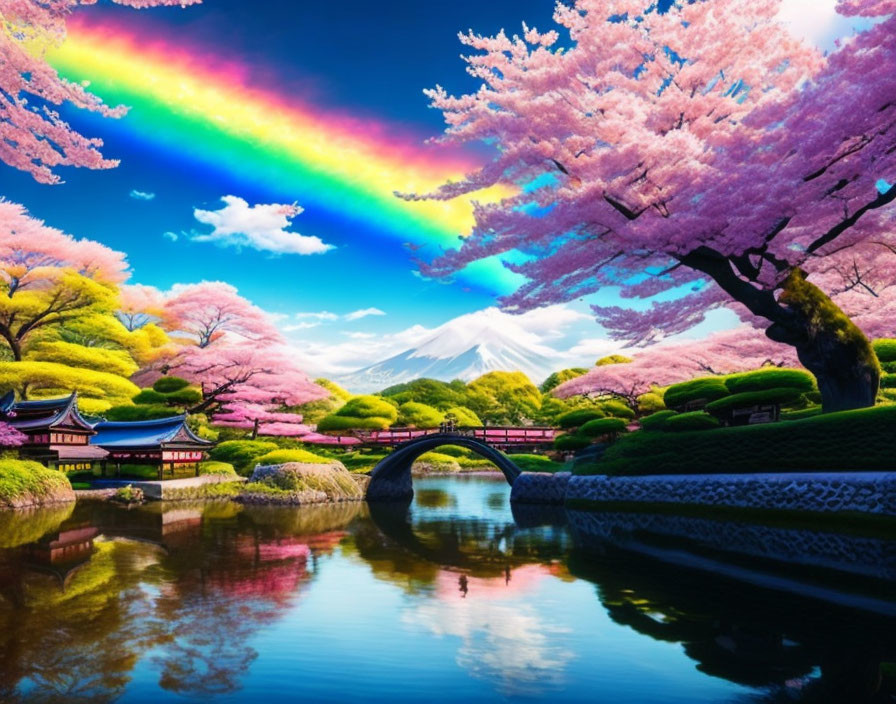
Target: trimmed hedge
218,468
650,403
657,421
241,453
142,412
571,443
580,416
536,463
888,381
808,412
149,396
284,456
695,420
767,379
169,384
860,440
885,349
602,426
708,388
617,409
753,398
184,396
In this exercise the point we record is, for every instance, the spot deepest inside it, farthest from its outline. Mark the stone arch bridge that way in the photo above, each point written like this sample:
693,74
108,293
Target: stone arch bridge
391,478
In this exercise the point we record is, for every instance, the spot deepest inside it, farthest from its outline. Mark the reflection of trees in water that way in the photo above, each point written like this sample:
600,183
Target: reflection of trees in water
411,552
27,525
743,633
197,581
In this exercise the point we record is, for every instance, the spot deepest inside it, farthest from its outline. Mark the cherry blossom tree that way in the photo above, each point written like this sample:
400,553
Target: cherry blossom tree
33,137
10,437
204,313
231,349
139,305
48,278
703,151
741,349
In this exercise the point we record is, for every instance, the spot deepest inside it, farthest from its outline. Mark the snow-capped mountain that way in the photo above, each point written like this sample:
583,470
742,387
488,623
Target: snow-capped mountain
463,348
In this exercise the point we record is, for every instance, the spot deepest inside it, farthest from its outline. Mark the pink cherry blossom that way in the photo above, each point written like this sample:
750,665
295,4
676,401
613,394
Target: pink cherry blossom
38,140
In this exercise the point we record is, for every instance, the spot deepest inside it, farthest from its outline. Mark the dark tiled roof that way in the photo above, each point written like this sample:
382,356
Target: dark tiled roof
46,413
145,433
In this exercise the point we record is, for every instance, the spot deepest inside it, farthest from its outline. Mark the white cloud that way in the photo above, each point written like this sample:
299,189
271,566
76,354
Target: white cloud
261,227
173,236
141,195
360,335
363,313
817,21
292,327
322,315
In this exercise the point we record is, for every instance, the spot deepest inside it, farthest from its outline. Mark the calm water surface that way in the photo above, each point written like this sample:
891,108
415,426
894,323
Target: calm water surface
453,599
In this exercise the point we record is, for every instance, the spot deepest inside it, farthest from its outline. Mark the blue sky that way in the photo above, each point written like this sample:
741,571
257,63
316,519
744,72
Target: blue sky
367,59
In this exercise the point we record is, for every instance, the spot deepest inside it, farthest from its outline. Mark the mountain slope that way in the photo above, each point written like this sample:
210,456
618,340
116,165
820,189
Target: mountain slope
464,348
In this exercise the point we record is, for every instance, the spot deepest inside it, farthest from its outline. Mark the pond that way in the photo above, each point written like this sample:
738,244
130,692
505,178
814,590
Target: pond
456,598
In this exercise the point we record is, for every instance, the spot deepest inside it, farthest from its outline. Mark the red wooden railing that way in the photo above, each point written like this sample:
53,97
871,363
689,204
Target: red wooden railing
493,435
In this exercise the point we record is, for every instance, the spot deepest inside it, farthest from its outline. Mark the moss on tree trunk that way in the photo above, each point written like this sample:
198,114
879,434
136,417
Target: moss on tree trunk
828,344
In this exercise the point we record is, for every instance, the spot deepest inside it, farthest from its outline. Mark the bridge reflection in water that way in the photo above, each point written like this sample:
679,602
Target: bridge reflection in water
802,615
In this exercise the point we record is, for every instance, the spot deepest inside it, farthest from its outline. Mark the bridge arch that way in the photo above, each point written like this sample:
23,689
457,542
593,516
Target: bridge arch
391,478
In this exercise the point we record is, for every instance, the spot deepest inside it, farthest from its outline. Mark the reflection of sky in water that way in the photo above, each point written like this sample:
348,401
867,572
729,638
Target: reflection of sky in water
293,604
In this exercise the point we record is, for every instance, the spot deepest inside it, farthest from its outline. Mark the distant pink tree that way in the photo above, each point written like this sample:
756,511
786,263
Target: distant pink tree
10,437
34,139
703,150
139,305
211,310
258,419
741,349
231,349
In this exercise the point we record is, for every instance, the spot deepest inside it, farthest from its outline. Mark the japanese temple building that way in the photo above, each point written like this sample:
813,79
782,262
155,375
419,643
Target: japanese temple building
57,435
167,443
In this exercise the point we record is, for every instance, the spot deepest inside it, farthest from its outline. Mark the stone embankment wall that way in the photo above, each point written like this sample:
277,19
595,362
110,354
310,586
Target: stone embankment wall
868,556
863,492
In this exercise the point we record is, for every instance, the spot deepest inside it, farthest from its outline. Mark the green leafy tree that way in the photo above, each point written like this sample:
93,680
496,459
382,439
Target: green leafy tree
504,397
360,412
419,415
557,378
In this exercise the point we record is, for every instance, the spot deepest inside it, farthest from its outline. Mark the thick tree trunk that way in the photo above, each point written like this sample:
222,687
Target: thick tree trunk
829,345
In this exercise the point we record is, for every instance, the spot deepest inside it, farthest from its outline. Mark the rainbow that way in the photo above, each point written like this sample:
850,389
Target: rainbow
188,101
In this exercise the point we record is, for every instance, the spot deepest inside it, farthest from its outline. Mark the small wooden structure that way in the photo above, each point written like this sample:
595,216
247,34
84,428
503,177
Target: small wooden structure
57,435
167,443
509,438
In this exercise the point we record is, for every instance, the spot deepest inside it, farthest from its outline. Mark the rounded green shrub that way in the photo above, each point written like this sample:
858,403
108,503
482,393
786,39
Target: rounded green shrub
148,397
808,412
464,417
650,403
169,384
337,423
571,443
284,456
147,412
218,468
888,381
657,421
580,416
885,349
695,420
602,426
419,415
707,388
752,398
186,396
25,482
617,409
241,453
772,378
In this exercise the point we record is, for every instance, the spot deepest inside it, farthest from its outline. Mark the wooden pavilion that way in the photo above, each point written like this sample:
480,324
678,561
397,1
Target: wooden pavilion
57,435
166,443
